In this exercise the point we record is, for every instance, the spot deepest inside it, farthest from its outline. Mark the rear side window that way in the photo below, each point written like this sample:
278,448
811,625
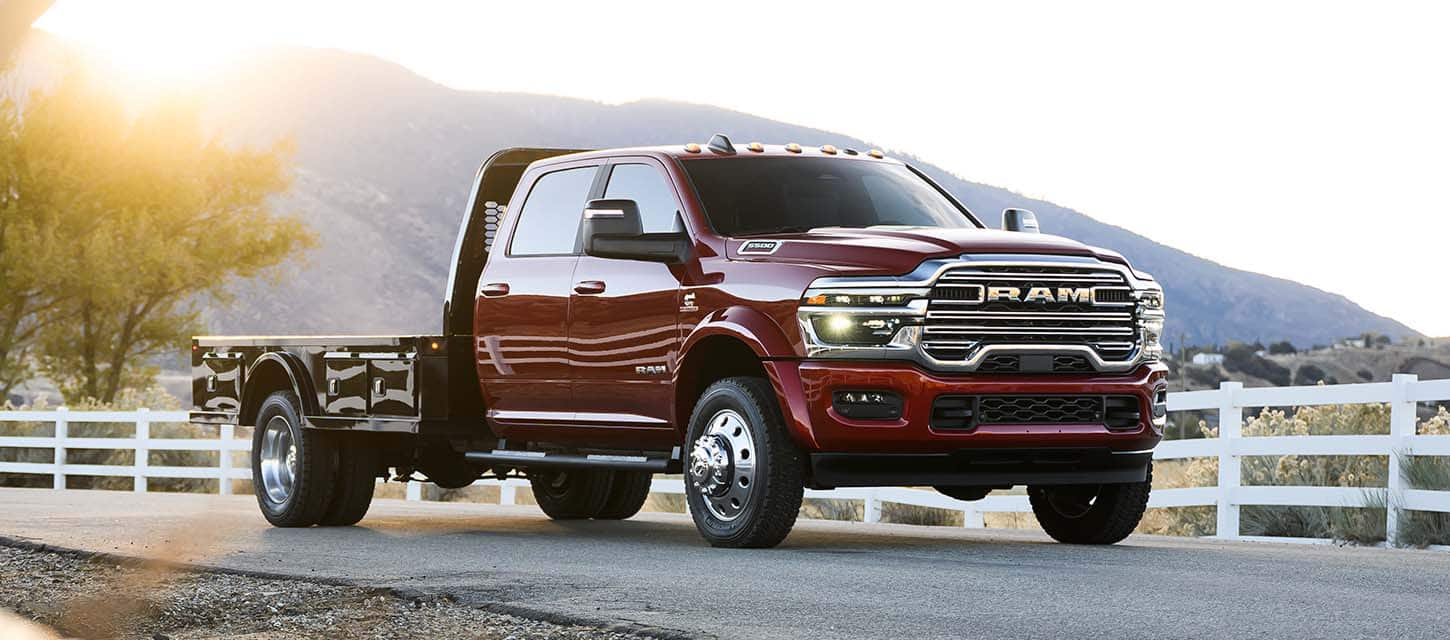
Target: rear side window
645,185
549,222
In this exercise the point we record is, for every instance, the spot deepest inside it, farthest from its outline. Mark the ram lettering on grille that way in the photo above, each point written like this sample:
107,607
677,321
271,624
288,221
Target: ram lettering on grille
975,306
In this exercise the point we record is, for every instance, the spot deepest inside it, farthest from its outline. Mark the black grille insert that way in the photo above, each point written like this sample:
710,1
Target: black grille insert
966,412
1041,410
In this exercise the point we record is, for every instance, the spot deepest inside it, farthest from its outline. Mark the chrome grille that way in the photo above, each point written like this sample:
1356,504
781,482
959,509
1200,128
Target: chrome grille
959,321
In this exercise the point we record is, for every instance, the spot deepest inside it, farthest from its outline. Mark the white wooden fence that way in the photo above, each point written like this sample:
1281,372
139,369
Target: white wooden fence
1228,496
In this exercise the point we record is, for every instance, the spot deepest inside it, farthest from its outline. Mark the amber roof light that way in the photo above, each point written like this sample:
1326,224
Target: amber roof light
793,148
692,148
756,147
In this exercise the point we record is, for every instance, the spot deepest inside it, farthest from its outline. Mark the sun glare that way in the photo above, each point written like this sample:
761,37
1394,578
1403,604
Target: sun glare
182,42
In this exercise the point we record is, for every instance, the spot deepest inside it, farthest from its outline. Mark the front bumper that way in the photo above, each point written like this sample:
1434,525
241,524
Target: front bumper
806,389
980,468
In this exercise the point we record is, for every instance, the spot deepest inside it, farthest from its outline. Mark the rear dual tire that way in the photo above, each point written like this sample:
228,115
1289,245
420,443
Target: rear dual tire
588,493
303,477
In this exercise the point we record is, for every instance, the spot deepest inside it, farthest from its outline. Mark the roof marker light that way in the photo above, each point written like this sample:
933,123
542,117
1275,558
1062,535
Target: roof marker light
876,153
793,148
850,152
756,147
829,150
692,148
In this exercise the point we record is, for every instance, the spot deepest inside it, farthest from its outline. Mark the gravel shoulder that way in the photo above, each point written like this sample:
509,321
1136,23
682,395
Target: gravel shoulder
87,596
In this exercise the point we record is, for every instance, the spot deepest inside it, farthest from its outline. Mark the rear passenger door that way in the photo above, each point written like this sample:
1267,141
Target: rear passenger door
521,310
624,334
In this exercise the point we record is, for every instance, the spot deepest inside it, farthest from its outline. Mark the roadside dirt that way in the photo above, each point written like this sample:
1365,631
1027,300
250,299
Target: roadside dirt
98,598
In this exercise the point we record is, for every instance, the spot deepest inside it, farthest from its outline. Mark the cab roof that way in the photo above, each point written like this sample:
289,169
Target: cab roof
720,146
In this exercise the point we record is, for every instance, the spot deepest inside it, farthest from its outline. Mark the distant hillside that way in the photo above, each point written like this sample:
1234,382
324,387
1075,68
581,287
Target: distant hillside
385,157
1429,359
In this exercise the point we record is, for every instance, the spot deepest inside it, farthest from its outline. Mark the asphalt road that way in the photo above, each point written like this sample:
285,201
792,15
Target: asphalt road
829,580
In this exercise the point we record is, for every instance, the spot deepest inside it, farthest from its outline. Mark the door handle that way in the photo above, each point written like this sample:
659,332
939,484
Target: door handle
589,287
495,289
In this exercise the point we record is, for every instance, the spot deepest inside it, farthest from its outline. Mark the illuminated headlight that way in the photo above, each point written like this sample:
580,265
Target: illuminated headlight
850,329
1150,322
848,322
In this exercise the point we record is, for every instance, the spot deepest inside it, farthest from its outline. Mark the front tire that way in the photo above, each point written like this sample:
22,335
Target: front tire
745,478
1091,514
291,466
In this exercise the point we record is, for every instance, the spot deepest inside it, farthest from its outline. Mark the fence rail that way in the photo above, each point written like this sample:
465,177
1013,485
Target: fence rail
1228,497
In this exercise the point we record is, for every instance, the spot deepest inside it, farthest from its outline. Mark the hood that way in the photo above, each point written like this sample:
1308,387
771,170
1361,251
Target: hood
899,250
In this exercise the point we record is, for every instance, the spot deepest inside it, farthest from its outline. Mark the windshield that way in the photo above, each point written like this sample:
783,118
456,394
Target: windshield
746,196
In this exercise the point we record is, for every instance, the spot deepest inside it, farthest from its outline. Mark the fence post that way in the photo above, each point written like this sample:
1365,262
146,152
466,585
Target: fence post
972,518
229,433
1230,428
143,449
1402,425
507,493
873,508
414,491
62,431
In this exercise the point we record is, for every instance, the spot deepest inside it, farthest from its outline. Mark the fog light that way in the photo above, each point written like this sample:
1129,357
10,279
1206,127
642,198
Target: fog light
867,404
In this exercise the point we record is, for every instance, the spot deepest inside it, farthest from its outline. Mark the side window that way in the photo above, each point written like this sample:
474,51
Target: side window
549,220
644,184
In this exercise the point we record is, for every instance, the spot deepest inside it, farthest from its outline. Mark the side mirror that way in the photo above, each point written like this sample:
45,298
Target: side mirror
612,229
1019,220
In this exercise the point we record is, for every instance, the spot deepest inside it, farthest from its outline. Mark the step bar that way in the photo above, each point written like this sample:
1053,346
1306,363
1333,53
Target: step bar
603,461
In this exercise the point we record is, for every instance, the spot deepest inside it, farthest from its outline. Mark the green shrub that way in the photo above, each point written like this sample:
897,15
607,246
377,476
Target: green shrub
926,516
830,509
1423,528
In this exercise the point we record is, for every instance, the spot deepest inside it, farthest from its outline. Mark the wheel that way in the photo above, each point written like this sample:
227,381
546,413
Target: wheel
969,494
744,476
292,467
572,494
1091,514
357,476
627,494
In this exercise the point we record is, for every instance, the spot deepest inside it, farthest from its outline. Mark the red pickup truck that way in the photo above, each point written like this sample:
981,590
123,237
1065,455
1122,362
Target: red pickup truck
759,318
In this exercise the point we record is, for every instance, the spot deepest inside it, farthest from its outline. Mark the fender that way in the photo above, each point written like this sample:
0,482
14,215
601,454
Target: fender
757,330
296,374
778,357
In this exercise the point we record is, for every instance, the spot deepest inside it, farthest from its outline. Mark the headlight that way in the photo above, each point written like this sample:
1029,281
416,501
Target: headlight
851,329
848,321
837,299
1150,322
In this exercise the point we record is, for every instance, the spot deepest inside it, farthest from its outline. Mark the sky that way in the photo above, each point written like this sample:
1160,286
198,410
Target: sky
1309,141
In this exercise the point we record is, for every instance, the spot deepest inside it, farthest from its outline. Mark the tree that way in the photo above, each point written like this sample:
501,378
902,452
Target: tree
1283,347
140,220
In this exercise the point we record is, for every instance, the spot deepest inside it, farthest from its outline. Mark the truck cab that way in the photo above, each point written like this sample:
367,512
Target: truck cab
759,318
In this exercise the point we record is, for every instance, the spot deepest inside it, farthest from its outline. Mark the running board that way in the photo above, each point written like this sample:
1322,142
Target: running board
543,460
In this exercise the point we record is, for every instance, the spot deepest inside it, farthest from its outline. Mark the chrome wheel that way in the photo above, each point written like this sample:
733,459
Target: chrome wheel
722,465
278,460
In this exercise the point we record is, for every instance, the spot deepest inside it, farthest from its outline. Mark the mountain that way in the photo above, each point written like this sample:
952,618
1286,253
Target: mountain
384,160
